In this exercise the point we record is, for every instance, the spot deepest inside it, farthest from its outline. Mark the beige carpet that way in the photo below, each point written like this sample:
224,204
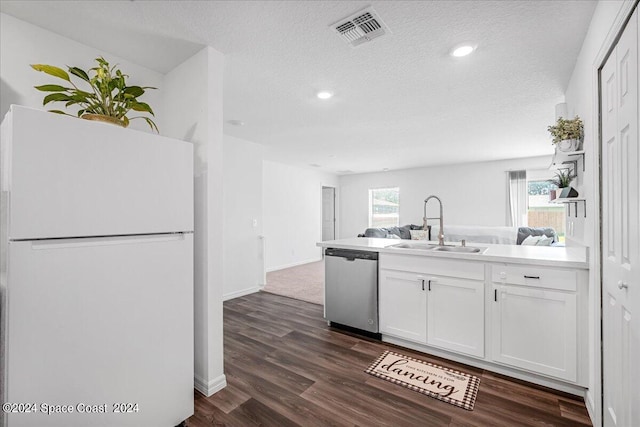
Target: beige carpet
304,282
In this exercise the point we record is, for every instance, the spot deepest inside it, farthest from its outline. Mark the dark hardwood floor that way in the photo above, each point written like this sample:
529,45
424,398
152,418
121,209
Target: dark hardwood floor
286,367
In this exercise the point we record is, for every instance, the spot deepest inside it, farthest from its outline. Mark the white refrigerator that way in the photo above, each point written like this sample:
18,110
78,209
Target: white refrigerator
96,274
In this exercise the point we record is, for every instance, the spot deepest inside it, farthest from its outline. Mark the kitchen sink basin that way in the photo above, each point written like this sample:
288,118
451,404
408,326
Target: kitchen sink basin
459,249
438,248
416,245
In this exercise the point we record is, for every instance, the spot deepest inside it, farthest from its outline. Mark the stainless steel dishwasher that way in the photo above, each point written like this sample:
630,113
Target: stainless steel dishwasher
351,289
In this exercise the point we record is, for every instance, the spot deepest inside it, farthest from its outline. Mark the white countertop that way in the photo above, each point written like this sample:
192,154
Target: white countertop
553,256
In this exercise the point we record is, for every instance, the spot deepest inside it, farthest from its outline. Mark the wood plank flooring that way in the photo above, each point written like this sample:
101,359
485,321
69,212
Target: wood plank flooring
286,367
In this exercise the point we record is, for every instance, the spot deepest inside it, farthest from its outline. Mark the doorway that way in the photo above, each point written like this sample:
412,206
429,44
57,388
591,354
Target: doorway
328,213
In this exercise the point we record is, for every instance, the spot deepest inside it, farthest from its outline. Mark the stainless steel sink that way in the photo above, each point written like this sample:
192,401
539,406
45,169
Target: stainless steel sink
415,245
459,249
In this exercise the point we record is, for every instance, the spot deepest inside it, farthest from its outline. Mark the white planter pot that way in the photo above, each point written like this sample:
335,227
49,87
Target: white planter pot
569,145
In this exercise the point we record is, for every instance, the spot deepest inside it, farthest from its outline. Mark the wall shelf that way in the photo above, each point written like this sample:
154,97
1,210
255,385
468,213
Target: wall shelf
572,200
569,160
562,159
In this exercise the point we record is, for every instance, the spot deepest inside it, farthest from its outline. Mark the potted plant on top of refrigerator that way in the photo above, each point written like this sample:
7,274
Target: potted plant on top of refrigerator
567,133
108,98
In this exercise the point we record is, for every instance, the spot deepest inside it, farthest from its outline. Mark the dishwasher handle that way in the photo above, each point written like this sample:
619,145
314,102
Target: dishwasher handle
351,255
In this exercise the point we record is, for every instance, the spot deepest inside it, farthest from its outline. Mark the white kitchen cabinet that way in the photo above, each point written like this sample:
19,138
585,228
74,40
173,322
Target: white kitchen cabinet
513,310
441,303
403,305
535,329
455,315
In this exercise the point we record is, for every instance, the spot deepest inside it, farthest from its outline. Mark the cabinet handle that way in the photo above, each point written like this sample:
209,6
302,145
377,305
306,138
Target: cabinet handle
423,284
429,285
495,295
532,277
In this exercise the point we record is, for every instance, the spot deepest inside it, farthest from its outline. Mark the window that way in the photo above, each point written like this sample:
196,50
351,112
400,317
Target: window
540,212
517,198
384,204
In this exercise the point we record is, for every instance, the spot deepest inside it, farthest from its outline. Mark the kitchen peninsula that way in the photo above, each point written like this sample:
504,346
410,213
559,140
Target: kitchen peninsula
516,310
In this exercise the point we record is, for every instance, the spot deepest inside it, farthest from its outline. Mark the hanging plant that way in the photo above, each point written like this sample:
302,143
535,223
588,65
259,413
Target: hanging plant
108,99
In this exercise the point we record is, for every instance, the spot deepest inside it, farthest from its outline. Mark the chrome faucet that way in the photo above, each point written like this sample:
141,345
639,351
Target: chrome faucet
441,218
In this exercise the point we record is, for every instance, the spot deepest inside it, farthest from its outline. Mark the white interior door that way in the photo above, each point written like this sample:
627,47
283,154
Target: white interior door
620,232
328,213
101,321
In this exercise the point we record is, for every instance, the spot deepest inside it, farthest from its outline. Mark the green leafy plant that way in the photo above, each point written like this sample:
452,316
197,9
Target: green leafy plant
567,129
108,95
563,178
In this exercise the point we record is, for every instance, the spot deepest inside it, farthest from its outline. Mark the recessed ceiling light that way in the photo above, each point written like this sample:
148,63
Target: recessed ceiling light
324,94
236,122
463,50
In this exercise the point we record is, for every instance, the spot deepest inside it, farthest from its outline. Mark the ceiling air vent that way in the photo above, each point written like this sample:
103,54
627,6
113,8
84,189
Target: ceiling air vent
361,27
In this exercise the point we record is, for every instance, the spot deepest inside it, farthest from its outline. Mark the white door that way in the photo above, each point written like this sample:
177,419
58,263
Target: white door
455,314
535,329
403,305
101,321
328,213
620,232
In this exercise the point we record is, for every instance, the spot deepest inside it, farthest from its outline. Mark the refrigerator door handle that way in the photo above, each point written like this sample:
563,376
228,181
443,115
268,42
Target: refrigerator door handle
104,241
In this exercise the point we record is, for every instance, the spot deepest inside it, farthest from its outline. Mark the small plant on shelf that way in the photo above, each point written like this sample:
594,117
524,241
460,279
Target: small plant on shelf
567,130
108,99
563,178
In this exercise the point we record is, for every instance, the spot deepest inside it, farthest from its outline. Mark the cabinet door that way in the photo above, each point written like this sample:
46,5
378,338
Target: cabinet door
455,310
536,330
403,305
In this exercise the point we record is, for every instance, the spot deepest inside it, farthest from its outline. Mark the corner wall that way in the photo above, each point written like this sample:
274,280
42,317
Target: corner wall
192,97
471,193
292,206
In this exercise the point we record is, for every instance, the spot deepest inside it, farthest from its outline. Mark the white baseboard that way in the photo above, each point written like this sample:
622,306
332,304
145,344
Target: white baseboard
208,388
591,408
293,264
241,293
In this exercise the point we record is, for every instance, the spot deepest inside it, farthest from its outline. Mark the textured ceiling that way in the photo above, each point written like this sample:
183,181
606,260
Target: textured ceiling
400,101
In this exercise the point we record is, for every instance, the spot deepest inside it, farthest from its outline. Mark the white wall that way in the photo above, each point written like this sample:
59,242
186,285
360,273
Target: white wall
292,211
192,97
243,251
471,193
22,44
582,99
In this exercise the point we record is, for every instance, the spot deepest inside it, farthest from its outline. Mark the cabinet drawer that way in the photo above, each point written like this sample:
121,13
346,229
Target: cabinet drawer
539,277
433,266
